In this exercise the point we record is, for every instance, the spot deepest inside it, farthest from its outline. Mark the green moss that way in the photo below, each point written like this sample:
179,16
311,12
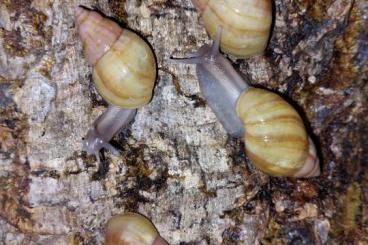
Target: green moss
343,68
346,220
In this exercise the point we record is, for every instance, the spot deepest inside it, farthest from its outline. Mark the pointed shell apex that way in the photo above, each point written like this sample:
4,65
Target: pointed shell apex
124,66
126,74
200,4
96,32
311,167
275,138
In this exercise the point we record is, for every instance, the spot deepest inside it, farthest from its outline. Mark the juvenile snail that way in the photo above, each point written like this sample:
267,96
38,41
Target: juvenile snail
132,229
246,24
124,72
274,134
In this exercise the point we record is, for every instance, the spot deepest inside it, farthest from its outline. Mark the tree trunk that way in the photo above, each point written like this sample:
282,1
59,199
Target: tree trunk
177,165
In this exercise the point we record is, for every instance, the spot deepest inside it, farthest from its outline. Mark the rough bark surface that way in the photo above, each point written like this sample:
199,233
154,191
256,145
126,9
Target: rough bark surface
177,165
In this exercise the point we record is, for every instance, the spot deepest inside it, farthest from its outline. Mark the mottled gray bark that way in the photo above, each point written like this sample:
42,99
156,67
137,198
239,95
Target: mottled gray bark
177,165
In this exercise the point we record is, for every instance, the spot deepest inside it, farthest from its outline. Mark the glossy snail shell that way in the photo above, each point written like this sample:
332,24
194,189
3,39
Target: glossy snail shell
131,229
246,24
124,67
275,137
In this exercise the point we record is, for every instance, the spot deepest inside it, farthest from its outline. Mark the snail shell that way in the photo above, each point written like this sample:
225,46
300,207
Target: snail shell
246,24
132,229
275,137
124,67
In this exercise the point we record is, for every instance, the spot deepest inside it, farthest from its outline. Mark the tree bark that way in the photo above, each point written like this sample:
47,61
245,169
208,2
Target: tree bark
177,164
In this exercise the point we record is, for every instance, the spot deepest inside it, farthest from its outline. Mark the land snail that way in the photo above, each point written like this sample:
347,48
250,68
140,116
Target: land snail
124,73
131,229
275,138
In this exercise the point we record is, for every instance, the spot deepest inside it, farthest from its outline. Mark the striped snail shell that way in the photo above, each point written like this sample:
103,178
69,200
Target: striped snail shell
246,24
124,72
275,137
124,67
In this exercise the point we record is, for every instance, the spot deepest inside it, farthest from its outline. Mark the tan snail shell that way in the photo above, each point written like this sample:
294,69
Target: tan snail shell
246,24
132,229
275,137
124,67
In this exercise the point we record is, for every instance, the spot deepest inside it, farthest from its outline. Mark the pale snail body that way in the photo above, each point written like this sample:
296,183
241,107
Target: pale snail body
124,72
246,24
274,134
132,229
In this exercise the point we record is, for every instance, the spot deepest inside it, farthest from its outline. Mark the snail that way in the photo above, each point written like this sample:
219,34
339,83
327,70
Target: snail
124,72
275,138
246,24
132,229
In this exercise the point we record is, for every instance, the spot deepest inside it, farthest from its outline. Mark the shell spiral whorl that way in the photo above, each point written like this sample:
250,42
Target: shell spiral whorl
275,138
124,66
246,24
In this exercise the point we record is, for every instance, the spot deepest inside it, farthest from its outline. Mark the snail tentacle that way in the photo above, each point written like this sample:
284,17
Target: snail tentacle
188,61
246,24
215,49
275,138
202,56
94,143
124,73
